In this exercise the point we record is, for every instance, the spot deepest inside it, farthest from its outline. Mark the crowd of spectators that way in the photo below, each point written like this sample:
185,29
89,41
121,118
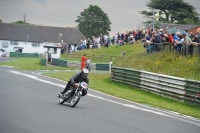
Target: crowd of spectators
151,40
130,37
161,37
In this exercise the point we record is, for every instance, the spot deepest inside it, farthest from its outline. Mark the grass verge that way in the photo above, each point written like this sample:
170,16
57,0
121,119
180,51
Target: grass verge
31,64
103,83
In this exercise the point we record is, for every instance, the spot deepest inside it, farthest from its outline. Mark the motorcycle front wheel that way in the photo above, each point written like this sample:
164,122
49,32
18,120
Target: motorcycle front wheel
75,99
61,101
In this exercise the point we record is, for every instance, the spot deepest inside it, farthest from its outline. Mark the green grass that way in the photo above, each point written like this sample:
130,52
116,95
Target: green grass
163,63
103,83
31,64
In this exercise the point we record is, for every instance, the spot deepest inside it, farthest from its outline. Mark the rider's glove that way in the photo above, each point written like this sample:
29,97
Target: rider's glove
75,84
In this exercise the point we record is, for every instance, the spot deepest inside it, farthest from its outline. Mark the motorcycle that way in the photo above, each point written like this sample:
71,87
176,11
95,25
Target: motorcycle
73,95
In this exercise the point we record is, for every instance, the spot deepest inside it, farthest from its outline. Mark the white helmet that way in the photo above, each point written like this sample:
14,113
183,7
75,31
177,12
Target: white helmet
87,62
84,72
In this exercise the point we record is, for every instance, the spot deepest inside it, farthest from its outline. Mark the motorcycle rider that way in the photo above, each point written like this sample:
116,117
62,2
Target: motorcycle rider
79,77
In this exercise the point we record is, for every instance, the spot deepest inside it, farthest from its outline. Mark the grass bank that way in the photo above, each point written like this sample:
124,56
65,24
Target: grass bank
171,64
136,57
113,50
103,83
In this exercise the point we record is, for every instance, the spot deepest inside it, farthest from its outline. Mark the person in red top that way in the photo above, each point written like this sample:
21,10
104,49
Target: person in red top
83,62
170,38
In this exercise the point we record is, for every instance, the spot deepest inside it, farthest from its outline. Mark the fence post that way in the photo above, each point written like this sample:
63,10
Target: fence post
110,66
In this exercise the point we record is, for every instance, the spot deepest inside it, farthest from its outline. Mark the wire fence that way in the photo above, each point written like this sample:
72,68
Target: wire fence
101,57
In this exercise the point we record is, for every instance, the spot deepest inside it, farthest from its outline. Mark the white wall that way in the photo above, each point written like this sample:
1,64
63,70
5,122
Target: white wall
28,48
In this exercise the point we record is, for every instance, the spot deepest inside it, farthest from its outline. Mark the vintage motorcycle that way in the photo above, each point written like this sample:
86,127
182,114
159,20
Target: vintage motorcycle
73,95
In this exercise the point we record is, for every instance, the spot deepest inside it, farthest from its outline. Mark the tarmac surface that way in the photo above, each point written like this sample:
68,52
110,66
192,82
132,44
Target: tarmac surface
29,104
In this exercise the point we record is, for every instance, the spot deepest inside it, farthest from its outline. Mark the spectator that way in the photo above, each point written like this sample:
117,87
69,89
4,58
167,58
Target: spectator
156,40
126,37
115,38
132,39
143,33
109,40
88,43
170,37
101,40
186,44
147,44
98,40
196,41
179,44
105,40
165,37
84,44
175,40
75,45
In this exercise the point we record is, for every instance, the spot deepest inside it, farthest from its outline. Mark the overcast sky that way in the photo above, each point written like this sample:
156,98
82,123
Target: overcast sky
123,14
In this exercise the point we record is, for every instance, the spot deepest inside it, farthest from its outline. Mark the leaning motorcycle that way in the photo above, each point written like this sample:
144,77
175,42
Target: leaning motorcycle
73,95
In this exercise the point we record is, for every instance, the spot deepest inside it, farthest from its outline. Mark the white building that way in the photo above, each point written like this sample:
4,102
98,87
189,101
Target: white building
27,38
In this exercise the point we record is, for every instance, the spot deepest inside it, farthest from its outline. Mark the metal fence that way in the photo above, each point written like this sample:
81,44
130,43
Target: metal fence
168,86
168,47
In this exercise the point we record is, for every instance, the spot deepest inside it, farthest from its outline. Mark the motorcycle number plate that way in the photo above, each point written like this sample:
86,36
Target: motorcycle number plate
84,85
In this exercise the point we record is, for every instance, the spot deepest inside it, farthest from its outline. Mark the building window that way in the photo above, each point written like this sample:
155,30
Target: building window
14,42
35,44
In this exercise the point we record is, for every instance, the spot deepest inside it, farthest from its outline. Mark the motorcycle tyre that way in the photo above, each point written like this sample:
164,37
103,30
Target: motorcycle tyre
79,97
63,100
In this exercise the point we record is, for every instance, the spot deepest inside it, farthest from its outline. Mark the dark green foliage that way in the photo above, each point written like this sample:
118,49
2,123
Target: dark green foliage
173,11
93,21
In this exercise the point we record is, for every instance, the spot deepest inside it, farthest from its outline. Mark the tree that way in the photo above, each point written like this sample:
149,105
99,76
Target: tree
173,11
93,22
0,21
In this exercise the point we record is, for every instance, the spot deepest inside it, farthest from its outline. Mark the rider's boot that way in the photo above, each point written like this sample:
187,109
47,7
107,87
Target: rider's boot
60,95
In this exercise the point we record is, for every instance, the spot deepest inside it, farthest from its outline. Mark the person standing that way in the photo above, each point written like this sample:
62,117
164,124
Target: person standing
88,43
83,61
75,46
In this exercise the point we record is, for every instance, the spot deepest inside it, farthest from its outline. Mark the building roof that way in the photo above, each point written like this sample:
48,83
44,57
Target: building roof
35,33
